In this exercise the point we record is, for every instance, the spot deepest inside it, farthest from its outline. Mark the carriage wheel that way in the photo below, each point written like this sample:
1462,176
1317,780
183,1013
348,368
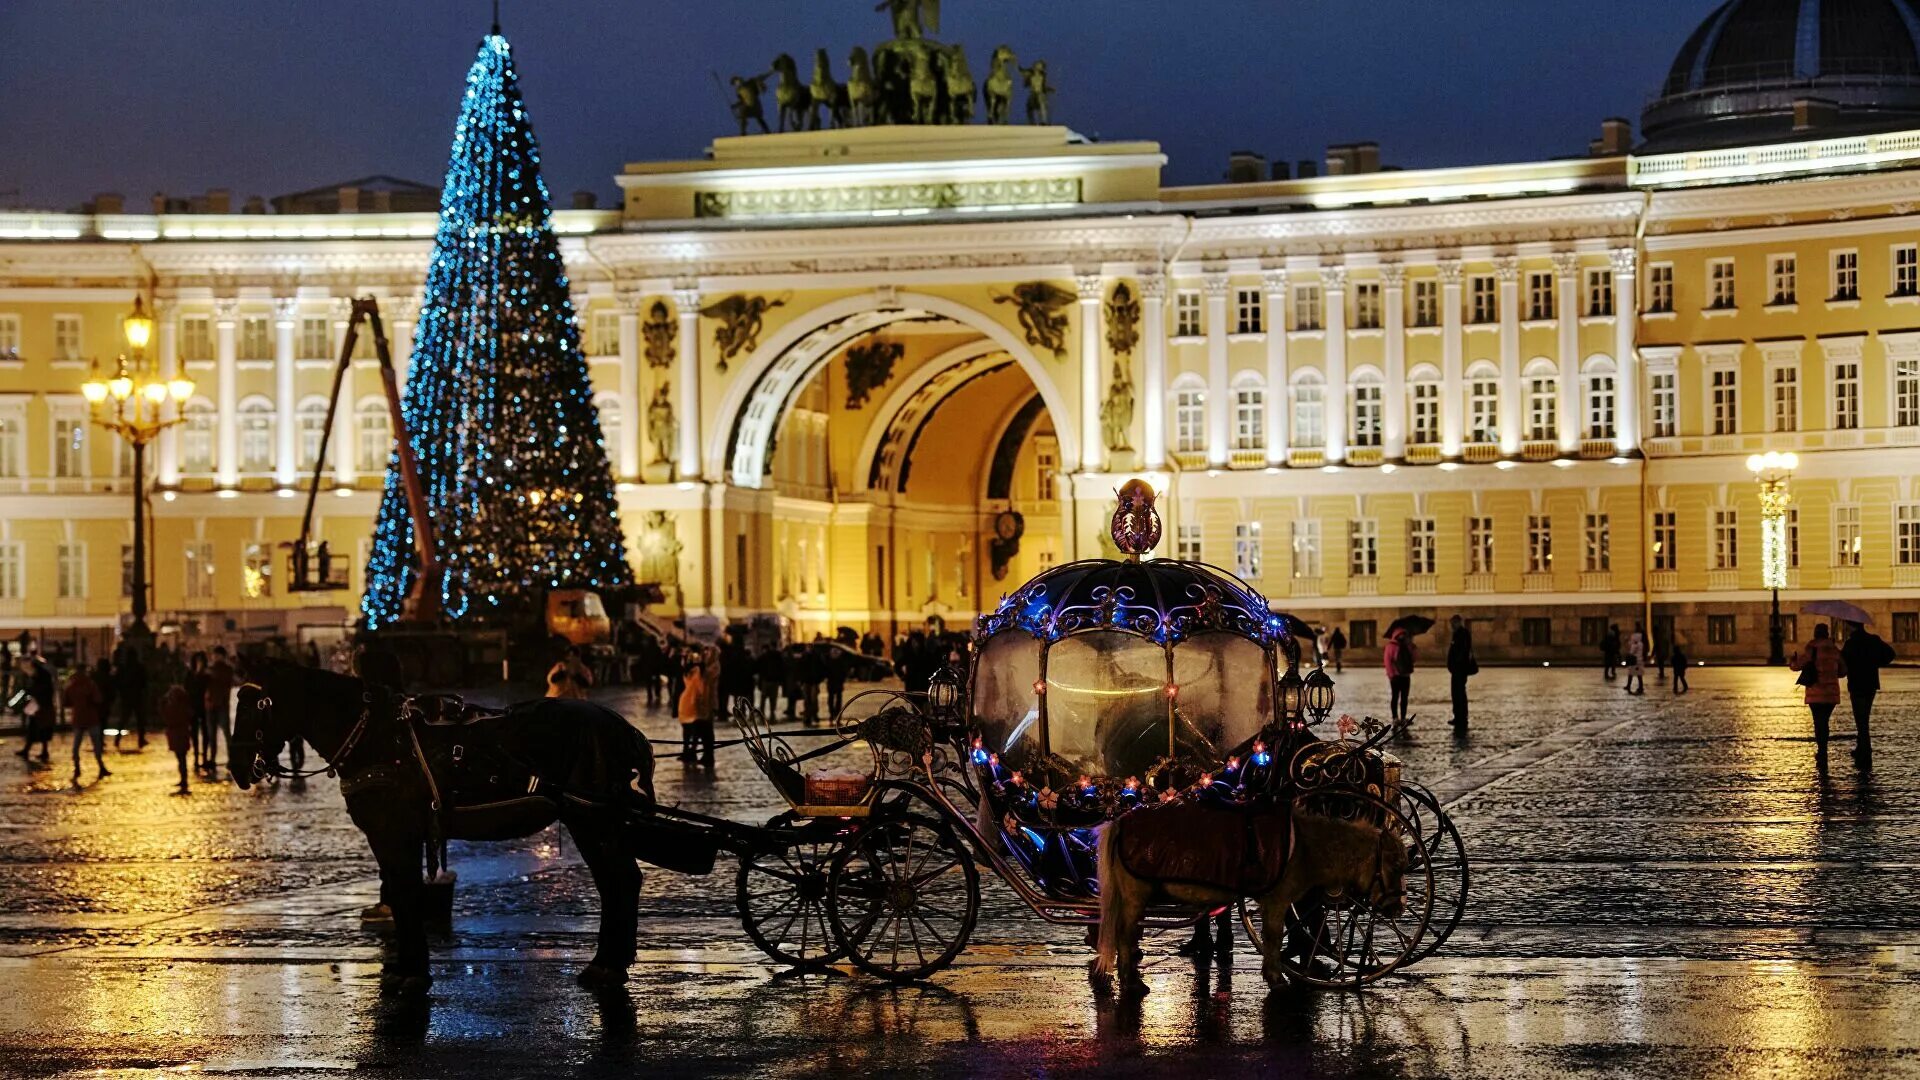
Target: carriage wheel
1344,943
902,897
782,895
1444,851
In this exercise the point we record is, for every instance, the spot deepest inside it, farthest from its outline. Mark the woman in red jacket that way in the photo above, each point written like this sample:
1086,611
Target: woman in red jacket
1821,669
87,710
1398,657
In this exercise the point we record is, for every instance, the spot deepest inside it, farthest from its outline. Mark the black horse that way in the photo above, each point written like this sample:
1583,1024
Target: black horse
411,777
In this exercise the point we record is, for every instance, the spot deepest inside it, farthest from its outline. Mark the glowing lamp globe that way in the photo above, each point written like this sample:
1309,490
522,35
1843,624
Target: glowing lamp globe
94,390
1319,687
1292,692
138,326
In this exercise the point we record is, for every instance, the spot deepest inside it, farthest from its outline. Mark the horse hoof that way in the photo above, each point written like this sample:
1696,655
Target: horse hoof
1133,987
405,985
597,977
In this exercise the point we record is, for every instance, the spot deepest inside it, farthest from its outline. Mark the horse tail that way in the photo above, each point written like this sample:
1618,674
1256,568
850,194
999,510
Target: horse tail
1110,875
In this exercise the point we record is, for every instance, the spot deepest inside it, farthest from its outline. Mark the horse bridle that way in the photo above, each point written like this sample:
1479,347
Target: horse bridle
264,767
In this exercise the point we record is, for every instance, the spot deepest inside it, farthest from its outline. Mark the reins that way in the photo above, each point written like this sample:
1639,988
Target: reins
264,767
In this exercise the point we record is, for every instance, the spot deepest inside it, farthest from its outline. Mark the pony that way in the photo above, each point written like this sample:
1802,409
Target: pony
792,95
826,92
495,777
1335,856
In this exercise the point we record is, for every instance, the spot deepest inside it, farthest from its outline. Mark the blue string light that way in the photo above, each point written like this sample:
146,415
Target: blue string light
498,404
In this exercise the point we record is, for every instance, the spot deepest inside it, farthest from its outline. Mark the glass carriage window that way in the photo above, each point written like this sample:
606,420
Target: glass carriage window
1004,703
1107,703
1223,696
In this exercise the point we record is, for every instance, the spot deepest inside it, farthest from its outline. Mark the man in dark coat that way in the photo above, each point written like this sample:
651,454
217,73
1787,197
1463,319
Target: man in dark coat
1865,653
736,675
1461,666
130,692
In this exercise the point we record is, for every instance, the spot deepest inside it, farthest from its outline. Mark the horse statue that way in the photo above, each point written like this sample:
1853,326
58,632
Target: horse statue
923,86
410,780
825,92
1201,856
862,92
998,91
957,78
791,95
1038,91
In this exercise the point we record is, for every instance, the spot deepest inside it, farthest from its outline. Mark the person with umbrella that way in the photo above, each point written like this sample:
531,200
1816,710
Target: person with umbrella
1398,657
1865,653
1821,668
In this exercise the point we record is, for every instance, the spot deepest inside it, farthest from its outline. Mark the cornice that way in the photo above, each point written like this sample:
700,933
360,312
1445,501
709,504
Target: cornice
1785,196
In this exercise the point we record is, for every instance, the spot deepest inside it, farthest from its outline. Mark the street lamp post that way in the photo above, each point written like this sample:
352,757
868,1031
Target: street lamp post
1772,471
128,404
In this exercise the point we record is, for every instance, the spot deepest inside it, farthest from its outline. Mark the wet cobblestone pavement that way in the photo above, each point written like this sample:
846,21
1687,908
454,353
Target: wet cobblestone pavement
1663,887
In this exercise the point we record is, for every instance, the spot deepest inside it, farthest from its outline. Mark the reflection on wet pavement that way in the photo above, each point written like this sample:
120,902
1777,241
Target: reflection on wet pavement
1662,887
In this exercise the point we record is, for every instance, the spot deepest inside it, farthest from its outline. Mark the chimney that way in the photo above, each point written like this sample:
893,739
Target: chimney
219,201
585,200
1813,114
382,202
1305,169
349,200
1366,157
1281,171
159,202
109,202
1245,167
1339,160
1616,137
254,205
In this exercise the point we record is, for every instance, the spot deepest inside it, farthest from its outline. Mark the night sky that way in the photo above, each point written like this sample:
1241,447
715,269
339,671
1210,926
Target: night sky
271,96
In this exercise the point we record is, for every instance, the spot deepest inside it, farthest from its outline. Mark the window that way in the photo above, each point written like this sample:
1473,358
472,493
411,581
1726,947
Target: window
1906,534
1906,393
256,571
311,422
1539,544
1426,302
1309,411
316,341
1725,385
69,446
1186,313
1366,305
1368,409
196,437
374,442
1249,418
1600,405
607,411
1363,634
1479,545
1846,536
1485,296
1906,270
1663,392
1189,420
256,338
1483,408
1720,630
1720,285
1306,307
1046,468
1540,295
1846,275
1785,388
256,435
1246,550
1666,540
1363,547
1186,542
1249,312
1420,546
1423,398
1306,548
196,338
1660,289
1726,539
199,555
13,559
66,337
1783,280
1906,627
1599,550
70,571
1543,407
1846,395
604,336
1536,632
1599,293
9,337
1593,629
13,433
1793,538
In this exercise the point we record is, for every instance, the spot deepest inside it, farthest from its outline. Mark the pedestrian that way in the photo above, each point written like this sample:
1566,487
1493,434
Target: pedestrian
1677,659
770,671
736,676
1398,657
1821,668
130,690
1660,653
1461,666
102,675
1636,660
1337,643
837,664
220,676
180,719
569,677
1865,654
649,662
1610,652
1322,647
37,681
813,672
195,684
696,717
87,712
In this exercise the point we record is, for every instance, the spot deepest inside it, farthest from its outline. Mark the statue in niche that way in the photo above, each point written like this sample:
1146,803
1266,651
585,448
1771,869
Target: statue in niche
746,102
1116,413
1042,306
1123,320
658,334
740,317
659,549
662,429
869,367
1038,91
827,93
998,91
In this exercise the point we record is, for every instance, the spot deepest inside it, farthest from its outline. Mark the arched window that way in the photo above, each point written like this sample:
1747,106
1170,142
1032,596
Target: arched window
1600,397
1483,403
1541,382
1423,406
1309,410
256,435
311,420
196,437
609,406
1189,416
1367,404
373,435
1249,412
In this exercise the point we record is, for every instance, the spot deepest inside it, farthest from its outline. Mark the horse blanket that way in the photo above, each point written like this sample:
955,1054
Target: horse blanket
1238,848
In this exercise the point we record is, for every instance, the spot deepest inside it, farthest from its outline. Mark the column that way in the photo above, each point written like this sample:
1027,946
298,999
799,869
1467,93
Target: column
346,467
1335,280
1393,278
1219,400
626,456
167,354
226,454
1275,284
1093,450
1507,269
1566,267
1153,375
1453,404
1626,358
687,407
286,449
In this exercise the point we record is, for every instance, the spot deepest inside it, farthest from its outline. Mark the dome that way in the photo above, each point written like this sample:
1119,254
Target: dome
1741,74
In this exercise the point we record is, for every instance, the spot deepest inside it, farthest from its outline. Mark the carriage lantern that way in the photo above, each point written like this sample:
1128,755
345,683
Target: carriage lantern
1319,692
943,691
1292,691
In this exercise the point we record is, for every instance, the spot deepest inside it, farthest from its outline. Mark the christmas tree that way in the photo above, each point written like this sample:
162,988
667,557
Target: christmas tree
498,403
